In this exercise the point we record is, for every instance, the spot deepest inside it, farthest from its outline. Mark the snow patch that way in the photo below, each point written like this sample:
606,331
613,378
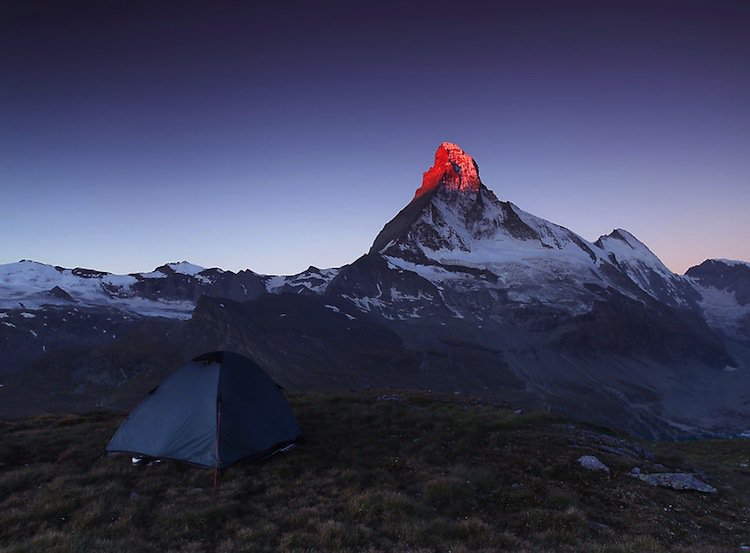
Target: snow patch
399,296
153,274
366,303
722,310
274,283
185,268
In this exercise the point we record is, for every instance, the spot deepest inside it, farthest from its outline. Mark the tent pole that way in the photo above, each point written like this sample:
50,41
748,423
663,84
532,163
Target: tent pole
218,434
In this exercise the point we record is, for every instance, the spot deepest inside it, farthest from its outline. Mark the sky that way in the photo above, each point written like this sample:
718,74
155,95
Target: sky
278,135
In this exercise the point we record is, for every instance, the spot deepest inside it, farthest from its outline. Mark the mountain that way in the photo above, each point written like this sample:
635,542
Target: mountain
724,289
460,292
599,330
45,308
633,257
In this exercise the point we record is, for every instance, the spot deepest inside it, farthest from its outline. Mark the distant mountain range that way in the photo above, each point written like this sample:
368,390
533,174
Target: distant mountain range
460,292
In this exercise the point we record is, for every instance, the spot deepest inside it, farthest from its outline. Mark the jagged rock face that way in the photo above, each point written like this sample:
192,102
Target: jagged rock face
453,170
724,288
634,259
727,275
244,285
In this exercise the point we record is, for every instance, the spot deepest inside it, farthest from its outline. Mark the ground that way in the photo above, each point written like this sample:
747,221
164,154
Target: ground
411,472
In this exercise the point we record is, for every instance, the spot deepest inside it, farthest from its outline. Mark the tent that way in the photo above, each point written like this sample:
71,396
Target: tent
217,409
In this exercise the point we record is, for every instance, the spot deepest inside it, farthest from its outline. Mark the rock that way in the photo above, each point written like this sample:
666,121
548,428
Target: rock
675,480
589,462
635,471
61,294
193,491
391,397
134,496
454,169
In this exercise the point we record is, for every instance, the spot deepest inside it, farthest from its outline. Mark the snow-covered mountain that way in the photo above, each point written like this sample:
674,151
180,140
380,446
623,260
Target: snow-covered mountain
587,327
30,285
170,290
46,308
461,291
456,234
641,265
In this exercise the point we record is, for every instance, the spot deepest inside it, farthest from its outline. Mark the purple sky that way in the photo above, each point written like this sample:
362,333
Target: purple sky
276,137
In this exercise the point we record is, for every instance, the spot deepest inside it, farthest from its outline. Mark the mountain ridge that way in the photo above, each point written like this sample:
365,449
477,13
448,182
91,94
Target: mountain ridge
481,297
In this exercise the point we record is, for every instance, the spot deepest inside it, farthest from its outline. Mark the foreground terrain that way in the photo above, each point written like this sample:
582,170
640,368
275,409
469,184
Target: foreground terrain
375,473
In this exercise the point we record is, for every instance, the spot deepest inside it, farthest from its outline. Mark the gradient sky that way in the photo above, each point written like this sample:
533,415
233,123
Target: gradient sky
281,135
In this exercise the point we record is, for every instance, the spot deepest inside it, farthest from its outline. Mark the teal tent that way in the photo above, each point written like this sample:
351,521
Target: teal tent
217,409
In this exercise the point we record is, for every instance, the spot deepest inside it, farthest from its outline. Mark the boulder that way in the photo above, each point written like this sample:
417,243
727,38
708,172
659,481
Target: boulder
589,462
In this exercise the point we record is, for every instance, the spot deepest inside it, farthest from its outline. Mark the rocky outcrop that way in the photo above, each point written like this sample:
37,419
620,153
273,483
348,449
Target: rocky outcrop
674,480
726,275
453,170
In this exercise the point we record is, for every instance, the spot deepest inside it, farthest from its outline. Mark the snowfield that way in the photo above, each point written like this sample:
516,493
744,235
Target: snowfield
30,285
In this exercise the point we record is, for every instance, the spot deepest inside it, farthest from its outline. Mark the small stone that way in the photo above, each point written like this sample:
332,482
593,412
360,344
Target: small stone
518,412
589,462
134,496
635,470
392,397
193,491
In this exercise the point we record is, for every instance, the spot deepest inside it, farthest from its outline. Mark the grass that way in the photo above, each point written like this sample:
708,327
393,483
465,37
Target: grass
424,474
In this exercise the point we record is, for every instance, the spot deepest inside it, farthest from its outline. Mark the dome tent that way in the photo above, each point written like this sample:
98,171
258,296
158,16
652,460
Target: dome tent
217,409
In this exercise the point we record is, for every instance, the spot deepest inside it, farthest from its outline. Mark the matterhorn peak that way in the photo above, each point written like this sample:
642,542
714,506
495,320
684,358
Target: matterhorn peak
453,168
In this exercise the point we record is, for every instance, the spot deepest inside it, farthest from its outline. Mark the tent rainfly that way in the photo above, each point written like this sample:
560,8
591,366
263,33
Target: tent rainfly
216,410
